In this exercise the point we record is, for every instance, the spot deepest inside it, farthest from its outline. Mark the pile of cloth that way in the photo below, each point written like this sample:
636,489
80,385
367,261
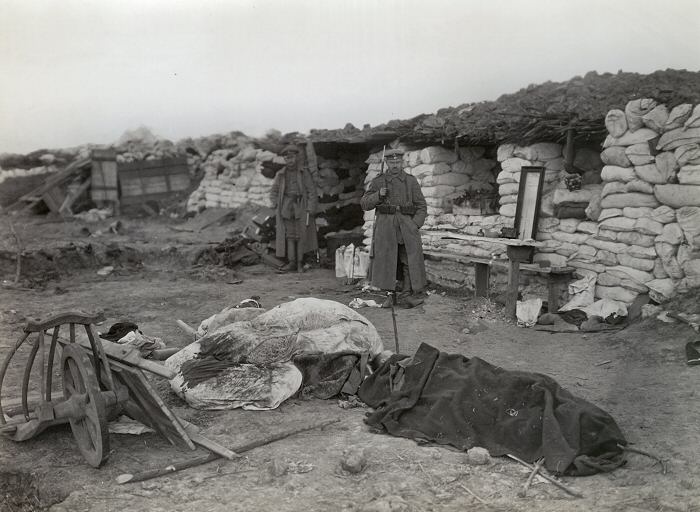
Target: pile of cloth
317,347
450,399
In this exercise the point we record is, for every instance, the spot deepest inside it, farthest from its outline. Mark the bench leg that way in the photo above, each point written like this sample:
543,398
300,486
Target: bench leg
512,291
481,278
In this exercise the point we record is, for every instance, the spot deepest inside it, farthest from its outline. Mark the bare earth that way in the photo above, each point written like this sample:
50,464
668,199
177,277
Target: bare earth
638,375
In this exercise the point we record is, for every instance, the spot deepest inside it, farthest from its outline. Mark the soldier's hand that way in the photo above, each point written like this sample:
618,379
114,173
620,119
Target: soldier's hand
383,192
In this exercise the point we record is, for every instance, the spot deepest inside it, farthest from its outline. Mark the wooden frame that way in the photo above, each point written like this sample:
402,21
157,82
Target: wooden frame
527,212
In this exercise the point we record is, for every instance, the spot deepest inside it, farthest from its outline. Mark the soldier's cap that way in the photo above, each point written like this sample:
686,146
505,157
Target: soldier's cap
389,153
290,148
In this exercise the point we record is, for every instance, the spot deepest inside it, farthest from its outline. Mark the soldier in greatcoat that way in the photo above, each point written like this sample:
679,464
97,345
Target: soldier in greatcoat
294,198
400,210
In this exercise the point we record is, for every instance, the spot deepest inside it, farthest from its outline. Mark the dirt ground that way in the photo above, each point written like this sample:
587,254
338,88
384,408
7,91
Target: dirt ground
637,374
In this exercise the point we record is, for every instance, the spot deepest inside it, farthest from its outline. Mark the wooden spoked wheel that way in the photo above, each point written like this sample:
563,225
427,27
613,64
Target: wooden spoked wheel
89,422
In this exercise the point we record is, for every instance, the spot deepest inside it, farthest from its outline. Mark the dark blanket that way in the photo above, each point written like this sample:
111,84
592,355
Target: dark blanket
327,375
454,400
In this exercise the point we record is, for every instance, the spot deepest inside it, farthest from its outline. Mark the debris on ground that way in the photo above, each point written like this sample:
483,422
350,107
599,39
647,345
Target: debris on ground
354,460
478,456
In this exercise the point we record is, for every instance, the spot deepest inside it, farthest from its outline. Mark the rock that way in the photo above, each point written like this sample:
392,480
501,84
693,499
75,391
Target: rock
478,456
277,468
354,460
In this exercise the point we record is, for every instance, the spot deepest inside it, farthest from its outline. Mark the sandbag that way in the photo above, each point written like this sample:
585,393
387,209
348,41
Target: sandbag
689,221
635,110
571,238
689,175
505,151
515,164
507,210
667,165
606,258
568,225
590,228
659,271
687,154
437,191
583,195
616,156
616,122
694,120
451,179
646,226
629,138
618,224
635,238
677,196
581,293
509,199
548,225
667,254
544,151
605,245
508,189
637,212
656,118
663,214
609,213
430,169
507,177
636,263
615,293
671,234
661,290
649,173
632,199
552,260
527,312
615,173
639,154
637,251
678,137
678,116
593,210
437,154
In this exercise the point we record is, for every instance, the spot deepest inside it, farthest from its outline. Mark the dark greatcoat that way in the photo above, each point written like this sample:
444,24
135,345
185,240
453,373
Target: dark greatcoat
404,190
309,201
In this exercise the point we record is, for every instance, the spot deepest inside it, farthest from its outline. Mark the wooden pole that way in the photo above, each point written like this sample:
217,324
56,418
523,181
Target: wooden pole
198,461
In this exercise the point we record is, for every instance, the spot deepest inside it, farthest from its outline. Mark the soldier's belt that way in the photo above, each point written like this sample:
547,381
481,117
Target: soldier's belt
390,209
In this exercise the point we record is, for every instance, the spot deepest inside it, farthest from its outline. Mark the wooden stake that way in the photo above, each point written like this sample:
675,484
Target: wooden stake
534,472
546,477
20,248
198,461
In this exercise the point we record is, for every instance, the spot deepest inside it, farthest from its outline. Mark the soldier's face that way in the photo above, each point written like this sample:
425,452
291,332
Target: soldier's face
290,158
395,163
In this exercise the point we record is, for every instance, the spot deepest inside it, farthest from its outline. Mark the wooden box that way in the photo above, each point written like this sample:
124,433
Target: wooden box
152,180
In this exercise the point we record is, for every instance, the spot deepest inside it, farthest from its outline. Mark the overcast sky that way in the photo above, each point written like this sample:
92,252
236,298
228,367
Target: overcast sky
79,71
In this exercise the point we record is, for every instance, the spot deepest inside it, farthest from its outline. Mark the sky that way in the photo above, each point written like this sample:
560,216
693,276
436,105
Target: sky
85,71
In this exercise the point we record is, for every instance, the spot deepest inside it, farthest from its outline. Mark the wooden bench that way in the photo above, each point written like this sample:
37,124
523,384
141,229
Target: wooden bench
519,253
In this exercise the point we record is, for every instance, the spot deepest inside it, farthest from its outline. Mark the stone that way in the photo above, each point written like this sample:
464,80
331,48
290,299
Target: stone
277,468
354,460
616,123
677,196
478,456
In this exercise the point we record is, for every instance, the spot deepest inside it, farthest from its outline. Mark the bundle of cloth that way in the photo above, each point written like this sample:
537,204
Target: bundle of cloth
320,348
450,399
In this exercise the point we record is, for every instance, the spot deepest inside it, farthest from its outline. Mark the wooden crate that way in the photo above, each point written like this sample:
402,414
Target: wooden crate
103,177
152,180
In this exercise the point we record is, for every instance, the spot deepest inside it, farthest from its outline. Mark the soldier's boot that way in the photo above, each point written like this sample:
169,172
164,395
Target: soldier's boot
291,256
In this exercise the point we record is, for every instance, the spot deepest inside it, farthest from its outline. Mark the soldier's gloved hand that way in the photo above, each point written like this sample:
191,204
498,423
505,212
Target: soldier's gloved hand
383,192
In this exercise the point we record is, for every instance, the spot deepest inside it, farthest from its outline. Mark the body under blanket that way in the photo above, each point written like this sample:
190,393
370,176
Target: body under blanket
451,399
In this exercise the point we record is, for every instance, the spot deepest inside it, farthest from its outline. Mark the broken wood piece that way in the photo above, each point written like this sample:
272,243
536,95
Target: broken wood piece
186,328
547,477
20,249
472,493
664,468
534,472
198,461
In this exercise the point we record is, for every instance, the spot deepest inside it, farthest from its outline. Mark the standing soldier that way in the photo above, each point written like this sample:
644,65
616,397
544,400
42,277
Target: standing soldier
294,197
400,210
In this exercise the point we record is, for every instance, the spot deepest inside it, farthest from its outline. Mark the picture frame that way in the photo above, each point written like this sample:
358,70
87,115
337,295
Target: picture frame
527,211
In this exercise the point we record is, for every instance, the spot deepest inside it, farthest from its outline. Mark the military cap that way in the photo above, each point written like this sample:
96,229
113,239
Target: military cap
290,148
389,153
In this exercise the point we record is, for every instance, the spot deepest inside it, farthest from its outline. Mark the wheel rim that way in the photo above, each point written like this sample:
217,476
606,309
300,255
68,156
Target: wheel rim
90,429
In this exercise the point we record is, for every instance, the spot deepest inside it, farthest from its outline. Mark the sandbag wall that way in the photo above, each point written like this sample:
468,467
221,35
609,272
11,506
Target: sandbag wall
232,178
643,228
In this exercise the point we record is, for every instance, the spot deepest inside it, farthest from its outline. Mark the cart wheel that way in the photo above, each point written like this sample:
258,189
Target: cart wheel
90,428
